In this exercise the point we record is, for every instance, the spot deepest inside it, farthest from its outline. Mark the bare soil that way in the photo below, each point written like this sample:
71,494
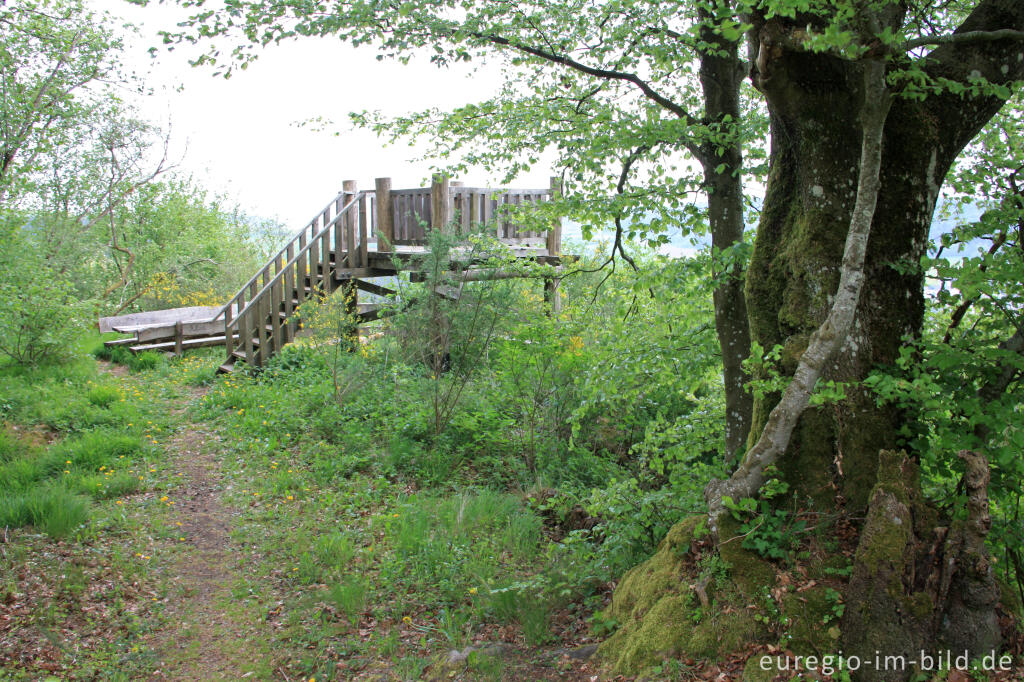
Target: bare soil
206,636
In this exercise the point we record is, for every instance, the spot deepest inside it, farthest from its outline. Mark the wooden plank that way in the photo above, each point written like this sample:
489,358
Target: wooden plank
260,329
350,221
373,217
341,243
376,289
314,268
474,209
169,346
448,292
397,216
369,312
495,190
423,219
276,336
396,219
440,208
454,201
228,331
288,285
166,331
168,316
554,235
302,262
120,342
325,258
415,191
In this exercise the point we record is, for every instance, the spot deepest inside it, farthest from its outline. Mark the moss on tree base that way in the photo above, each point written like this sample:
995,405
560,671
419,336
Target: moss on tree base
661,614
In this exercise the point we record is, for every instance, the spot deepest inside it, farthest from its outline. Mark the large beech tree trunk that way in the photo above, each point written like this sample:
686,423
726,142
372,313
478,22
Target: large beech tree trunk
899,599
794,271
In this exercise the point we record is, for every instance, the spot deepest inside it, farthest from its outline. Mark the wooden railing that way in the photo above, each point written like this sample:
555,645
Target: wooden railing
260,319
415,211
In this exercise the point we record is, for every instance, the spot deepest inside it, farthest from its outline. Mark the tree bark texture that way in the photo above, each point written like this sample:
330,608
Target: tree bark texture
721,73
895,601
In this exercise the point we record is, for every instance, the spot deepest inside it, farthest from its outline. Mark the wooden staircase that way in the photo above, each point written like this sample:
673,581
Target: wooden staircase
329,253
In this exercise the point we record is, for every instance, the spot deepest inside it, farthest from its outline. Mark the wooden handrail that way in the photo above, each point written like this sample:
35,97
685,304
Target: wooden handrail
294,259
290,245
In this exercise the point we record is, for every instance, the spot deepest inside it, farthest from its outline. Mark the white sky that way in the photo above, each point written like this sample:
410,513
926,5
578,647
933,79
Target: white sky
238,136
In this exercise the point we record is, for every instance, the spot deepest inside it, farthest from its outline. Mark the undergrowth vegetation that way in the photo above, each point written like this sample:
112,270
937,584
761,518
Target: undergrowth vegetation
480,464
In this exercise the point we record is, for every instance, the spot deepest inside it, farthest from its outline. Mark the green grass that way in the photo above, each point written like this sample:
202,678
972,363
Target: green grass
51,509
137,362
82,436
102,448
349,597
45,487
104,395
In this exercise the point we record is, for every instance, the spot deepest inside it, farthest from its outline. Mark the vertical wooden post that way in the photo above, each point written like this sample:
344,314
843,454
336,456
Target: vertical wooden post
245,336
455,208
554,240
385,216
263,351
364,219
348,287
289,294
349,222
178,332
440,196
554,244
229,340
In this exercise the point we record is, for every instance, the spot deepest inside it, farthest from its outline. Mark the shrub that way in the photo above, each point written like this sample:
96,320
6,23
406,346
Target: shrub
41,317
103,396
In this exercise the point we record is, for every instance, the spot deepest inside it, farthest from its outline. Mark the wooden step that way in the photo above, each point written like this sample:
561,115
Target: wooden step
185,344
113,343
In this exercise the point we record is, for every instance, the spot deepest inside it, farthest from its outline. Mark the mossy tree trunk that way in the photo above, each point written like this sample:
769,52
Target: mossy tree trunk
832,462
795,267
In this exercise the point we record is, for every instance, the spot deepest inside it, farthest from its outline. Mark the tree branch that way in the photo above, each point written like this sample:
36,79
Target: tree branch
608,74
965,60
965,37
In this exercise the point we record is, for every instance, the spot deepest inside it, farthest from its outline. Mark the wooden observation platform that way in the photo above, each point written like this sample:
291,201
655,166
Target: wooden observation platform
358,236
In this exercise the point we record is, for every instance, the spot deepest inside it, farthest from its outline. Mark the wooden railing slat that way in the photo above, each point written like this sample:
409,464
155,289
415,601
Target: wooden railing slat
364,231
245,336
275,315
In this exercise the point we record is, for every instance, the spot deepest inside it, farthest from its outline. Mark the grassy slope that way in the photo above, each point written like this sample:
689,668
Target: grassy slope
337,567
